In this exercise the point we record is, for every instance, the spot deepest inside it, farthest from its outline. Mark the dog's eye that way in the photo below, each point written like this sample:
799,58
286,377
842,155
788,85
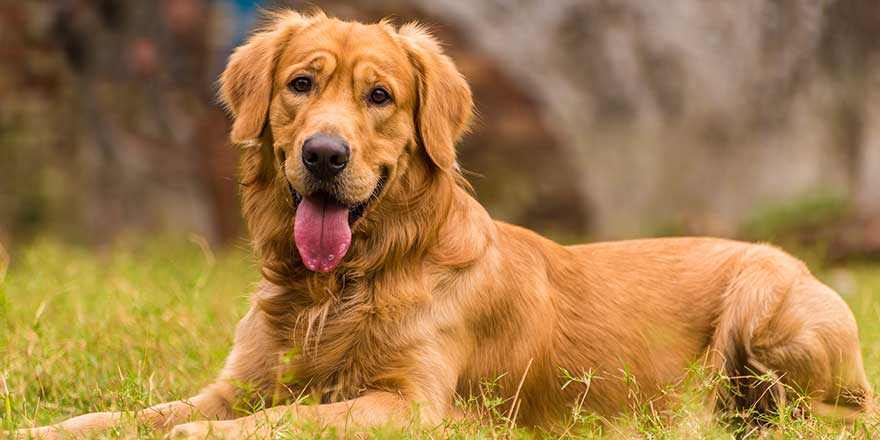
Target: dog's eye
300,84
380,96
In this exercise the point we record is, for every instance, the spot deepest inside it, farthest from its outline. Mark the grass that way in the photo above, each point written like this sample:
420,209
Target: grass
803,214
151,321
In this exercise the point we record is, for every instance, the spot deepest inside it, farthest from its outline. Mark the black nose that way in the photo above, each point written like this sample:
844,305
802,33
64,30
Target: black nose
325,156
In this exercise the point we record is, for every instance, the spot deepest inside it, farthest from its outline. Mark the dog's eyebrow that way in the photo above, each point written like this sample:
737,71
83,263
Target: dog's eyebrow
368,71
326,59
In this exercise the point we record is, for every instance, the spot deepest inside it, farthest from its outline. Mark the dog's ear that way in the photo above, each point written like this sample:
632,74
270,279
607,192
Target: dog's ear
444,105
246,84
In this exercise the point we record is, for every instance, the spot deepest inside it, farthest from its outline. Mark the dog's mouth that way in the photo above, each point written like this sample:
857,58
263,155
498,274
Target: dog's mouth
322,228
354,212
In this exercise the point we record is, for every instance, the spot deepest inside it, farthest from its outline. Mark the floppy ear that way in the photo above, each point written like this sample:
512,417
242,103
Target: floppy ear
246,84
445,105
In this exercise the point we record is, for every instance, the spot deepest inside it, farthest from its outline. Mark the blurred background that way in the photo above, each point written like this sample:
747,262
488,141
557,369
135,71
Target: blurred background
597,119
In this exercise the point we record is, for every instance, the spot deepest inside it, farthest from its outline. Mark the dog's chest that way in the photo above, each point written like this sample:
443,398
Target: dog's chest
346,347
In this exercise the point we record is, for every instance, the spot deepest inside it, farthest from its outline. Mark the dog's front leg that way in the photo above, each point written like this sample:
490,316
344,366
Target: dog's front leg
160,417
249,362
373,409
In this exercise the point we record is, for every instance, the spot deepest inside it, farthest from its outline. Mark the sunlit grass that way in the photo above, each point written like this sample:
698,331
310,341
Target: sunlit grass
151,321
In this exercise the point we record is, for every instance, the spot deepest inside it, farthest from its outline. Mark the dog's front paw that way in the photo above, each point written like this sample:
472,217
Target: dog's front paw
202,430
42,433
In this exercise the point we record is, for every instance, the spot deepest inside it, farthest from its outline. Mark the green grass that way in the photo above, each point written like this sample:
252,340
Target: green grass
151,321
803,214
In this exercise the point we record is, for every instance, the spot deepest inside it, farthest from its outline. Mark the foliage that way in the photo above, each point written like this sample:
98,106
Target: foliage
799,215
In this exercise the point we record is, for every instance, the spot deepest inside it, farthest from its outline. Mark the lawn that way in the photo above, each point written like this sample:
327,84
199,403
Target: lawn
147,322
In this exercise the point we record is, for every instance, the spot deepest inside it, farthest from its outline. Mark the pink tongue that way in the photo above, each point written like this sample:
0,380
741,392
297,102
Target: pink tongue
321,232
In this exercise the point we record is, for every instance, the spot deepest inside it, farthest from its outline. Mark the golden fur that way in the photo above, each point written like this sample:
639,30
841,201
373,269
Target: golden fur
434,296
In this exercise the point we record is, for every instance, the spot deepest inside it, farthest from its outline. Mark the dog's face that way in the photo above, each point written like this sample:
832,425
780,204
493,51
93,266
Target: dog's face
348,106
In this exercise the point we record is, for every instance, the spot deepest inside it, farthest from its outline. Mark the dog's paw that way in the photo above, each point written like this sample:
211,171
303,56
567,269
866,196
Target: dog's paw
43,433
189,431
204,430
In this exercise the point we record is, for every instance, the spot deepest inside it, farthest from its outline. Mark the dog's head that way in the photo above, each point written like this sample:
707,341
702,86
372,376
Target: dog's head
344,110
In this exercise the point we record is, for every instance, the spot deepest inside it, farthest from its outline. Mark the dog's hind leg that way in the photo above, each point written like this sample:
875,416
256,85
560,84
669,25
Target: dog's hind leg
761,284
783,336
814,340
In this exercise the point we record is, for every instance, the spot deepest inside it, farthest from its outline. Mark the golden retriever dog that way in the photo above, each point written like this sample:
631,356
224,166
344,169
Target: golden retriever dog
388,292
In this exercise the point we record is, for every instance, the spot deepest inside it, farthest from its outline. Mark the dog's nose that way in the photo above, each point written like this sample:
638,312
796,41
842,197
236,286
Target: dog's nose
325,156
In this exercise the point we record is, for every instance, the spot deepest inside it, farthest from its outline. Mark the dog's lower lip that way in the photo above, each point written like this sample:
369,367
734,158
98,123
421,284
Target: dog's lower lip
354,212
297,198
